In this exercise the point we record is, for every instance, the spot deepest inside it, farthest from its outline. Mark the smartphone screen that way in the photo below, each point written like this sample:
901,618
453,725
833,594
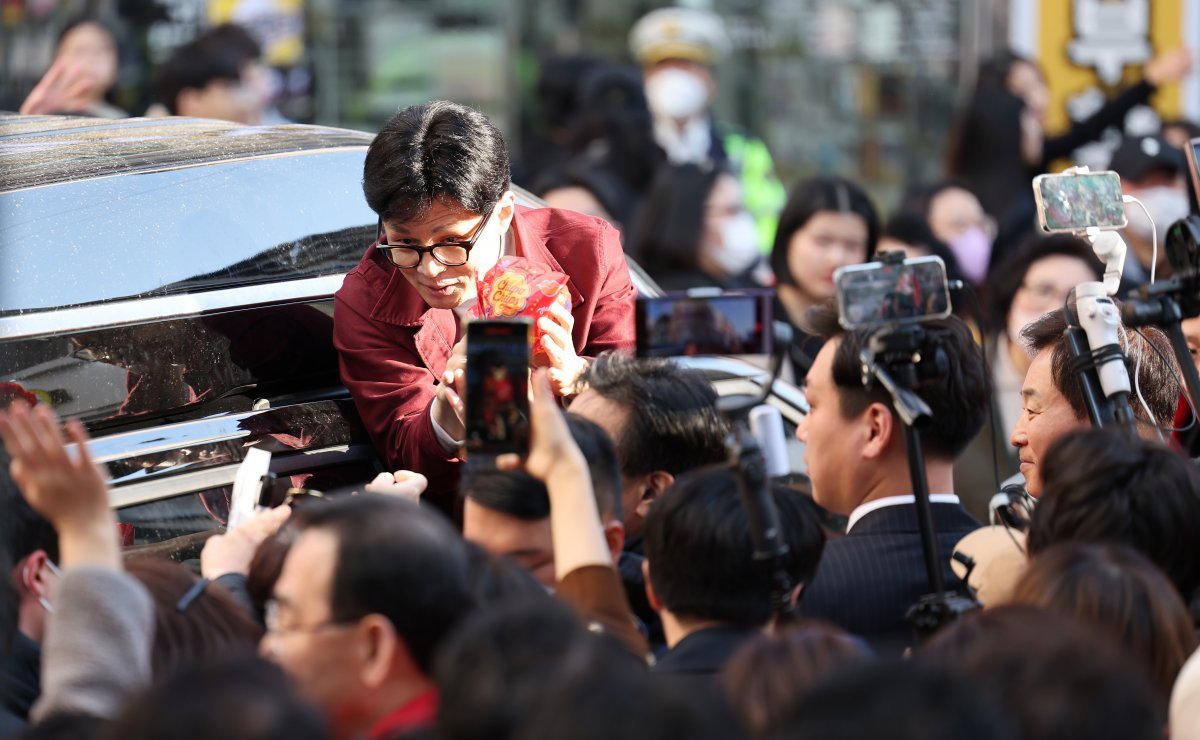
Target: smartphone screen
725,323
497,376
881,294
1068,203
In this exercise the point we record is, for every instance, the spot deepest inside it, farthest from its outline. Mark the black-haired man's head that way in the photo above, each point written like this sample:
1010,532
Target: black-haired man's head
440,152
1053,397
216,75
1102,486
507,513
854,442
663,419
700,555
368,592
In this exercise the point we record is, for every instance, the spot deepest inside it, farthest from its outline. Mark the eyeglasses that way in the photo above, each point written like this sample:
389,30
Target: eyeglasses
271,618
450,254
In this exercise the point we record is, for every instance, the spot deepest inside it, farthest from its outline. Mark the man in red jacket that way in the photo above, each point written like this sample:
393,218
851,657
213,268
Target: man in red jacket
438,176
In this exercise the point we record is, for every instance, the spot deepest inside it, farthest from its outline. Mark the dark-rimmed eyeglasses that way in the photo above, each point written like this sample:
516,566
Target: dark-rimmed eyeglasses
450,254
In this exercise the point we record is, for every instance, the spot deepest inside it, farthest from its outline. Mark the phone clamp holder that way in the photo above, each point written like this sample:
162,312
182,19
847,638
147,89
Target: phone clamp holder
898,359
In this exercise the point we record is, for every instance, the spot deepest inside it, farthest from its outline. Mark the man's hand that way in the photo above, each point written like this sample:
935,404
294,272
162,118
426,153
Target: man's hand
232,552
448,409
64,486
65,88
558,347
403,484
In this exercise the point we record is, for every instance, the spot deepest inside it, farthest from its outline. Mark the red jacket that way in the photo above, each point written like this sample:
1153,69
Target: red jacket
392,346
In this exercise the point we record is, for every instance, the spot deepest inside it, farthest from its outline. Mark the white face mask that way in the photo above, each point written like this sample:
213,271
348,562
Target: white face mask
738,250
674,93
1166,206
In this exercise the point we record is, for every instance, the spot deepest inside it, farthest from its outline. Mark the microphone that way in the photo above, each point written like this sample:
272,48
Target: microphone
766,424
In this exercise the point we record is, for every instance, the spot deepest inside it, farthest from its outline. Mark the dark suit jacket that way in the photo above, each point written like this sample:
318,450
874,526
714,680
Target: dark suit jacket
690,670
393,347
867,580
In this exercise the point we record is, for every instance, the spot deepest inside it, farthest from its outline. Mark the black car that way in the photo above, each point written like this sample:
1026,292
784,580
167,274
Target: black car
170,282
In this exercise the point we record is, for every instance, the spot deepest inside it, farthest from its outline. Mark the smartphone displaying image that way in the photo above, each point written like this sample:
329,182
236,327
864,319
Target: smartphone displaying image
726,323
1072,203
881,294
497,393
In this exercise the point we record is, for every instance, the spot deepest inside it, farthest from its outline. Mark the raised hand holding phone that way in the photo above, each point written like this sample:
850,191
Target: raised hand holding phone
557,461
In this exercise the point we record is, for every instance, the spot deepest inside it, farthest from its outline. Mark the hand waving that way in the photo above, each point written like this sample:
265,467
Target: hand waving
63,485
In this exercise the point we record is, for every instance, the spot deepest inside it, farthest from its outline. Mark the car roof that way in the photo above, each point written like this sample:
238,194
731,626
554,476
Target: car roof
132,145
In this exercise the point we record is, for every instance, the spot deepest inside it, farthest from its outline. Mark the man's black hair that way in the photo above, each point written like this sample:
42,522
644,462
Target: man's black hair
1157,378
701,556
672,425
959,399
1054,676
233,40
194,66
809,198
497,666
520,495
899,700
243,699
439,152
400,561
1104,486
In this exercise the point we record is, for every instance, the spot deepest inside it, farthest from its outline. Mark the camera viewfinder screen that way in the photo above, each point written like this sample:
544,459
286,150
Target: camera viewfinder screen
727,324
878,294
1075,202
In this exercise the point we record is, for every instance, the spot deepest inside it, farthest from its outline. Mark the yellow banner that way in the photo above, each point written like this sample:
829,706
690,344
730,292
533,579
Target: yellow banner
1101,45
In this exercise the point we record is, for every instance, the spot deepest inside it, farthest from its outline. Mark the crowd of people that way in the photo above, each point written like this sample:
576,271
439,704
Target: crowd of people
610,583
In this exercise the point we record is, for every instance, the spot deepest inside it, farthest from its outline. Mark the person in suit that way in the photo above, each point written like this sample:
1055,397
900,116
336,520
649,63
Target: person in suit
857,459
702,577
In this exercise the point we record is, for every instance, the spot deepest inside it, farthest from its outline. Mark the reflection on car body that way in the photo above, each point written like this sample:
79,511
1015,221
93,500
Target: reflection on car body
170,282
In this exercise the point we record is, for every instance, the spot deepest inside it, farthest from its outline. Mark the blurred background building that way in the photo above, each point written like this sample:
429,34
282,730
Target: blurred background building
865,88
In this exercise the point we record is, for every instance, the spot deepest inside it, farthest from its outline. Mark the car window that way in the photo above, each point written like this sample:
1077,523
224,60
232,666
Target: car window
184,230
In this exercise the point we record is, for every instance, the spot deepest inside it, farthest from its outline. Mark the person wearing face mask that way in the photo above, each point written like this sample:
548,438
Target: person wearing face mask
1000,142
694,231
677,48
1152,171
956,218
438,176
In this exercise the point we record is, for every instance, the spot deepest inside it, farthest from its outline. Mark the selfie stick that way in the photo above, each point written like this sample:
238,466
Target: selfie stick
1100,319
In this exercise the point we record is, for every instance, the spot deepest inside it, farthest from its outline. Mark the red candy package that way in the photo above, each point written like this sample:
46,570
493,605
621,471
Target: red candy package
518,287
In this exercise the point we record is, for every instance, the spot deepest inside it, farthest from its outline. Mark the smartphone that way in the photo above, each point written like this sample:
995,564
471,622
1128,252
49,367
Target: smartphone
887,293
705,323
497,393
1072,203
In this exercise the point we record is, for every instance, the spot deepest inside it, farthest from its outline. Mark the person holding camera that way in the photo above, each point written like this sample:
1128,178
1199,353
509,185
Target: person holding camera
438,176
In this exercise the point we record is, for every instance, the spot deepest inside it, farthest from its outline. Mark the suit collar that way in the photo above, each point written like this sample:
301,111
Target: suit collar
903,518
705,650
881,503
